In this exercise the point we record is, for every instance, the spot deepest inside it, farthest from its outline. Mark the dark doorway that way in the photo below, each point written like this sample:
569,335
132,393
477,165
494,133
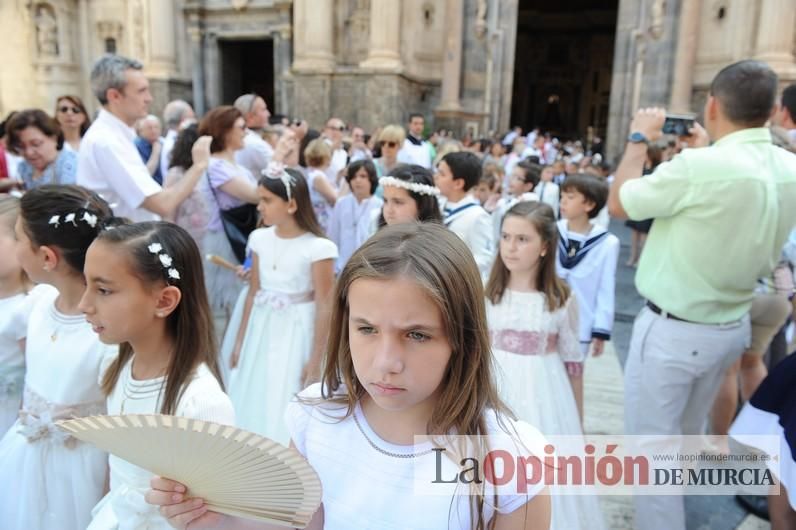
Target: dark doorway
247,66
563,66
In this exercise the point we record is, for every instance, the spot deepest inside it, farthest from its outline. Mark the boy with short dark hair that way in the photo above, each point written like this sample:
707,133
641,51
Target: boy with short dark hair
587,257
456,177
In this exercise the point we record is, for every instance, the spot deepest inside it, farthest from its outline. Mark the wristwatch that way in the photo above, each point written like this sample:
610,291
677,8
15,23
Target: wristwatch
637,138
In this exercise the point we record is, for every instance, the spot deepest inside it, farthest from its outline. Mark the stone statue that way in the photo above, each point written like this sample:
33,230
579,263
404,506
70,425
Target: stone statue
46,31
480,19
657,16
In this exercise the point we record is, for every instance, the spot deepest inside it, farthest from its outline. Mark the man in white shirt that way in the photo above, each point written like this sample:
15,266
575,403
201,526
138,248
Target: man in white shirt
457,176
333,132
175,114
108,162
416,150
256,152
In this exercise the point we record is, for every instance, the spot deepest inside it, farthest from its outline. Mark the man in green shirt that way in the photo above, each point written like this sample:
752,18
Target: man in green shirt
722,214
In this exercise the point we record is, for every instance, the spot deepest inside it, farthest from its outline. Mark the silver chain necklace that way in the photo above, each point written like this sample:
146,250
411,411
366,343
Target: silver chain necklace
384,451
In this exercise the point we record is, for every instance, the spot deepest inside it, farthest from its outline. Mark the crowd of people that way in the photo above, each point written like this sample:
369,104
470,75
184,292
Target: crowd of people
218,266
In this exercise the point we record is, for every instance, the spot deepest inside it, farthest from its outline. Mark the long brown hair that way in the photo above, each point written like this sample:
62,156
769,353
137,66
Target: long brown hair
543,220
305,214
444,268
190,326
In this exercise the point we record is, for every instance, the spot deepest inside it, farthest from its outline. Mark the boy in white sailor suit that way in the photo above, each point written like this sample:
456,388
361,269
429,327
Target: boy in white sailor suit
587,257
457,176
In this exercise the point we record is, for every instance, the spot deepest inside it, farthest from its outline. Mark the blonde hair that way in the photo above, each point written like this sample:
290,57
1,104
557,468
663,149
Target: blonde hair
9,212
446,147
318,153
393,133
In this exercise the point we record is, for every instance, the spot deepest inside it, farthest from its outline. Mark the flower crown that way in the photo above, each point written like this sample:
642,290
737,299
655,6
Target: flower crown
165,260
276,171
87,217
416,187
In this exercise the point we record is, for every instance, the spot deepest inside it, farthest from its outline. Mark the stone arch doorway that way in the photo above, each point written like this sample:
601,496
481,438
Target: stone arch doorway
247,66
564,65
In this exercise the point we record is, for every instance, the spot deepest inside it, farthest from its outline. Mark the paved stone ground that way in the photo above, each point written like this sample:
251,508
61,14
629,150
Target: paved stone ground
604,414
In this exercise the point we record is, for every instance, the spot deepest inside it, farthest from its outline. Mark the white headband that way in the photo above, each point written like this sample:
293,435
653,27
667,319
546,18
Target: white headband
416,187
276,171
88,218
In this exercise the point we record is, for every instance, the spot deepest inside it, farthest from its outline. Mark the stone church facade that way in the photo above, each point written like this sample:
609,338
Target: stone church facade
572,66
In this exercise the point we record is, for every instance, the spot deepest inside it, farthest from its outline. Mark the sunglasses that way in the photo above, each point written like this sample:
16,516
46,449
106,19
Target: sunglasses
390,144
73,110
340,128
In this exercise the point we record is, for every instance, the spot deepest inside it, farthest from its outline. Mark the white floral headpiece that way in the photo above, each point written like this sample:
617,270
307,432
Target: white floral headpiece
88,218
416,187
165,260
276,170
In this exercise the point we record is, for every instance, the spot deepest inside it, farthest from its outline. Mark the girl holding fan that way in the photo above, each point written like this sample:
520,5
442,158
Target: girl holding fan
145,291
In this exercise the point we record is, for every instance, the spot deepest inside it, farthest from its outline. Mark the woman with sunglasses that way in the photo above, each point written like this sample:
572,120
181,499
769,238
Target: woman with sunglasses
74,121
38,139
391,139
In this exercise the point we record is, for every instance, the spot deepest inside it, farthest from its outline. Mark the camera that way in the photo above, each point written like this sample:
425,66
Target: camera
678,124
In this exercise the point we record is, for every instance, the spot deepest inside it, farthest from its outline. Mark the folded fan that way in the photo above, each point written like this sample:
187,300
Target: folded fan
236,472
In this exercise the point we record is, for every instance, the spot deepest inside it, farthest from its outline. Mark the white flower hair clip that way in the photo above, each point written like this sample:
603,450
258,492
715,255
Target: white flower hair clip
165,260
276,170
416,187
88,218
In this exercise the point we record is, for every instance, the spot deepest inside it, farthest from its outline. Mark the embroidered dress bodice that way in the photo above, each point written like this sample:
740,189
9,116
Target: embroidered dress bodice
521,324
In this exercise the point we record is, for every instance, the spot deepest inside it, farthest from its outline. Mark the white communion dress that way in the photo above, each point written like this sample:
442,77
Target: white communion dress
280,332
530,345
124,507
47,478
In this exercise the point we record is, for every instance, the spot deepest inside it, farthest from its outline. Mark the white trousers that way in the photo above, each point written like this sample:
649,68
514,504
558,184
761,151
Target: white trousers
672,376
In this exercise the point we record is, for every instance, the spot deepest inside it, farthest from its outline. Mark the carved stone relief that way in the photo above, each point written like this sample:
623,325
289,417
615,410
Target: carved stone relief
46,30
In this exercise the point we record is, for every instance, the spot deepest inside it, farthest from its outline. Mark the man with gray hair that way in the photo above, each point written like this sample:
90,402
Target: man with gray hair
256,152
176,114
109,163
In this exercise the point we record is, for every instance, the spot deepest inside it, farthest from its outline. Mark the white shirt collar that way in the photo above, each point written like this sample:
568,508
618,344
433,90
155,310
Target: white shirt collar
112,121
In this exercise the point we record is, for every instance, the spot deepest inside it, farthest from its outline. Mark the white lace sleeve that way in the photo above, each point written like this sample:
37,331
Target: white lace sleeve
568,343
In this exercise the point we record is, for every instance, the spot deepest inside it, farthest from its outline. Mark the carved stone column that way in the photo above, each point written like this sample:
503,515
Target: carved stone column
452,62
384,51
198,81
775,34
314,45
685,57
162,45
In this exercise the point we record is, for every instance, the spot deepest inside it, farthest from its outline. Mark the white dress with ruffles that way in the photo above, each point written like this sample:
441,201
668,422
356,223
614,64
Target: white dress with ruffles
124,507
530,345
47,478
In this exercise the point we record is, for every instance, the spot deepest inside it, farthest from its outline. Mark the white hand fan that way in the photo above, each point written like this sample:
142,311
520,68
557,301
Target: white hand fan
236,472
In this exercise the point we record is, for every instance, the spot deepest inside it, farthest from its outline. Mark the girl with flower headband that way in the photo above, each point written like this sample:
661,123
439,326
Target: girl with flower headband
51,479
409,195
277,344
146,292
